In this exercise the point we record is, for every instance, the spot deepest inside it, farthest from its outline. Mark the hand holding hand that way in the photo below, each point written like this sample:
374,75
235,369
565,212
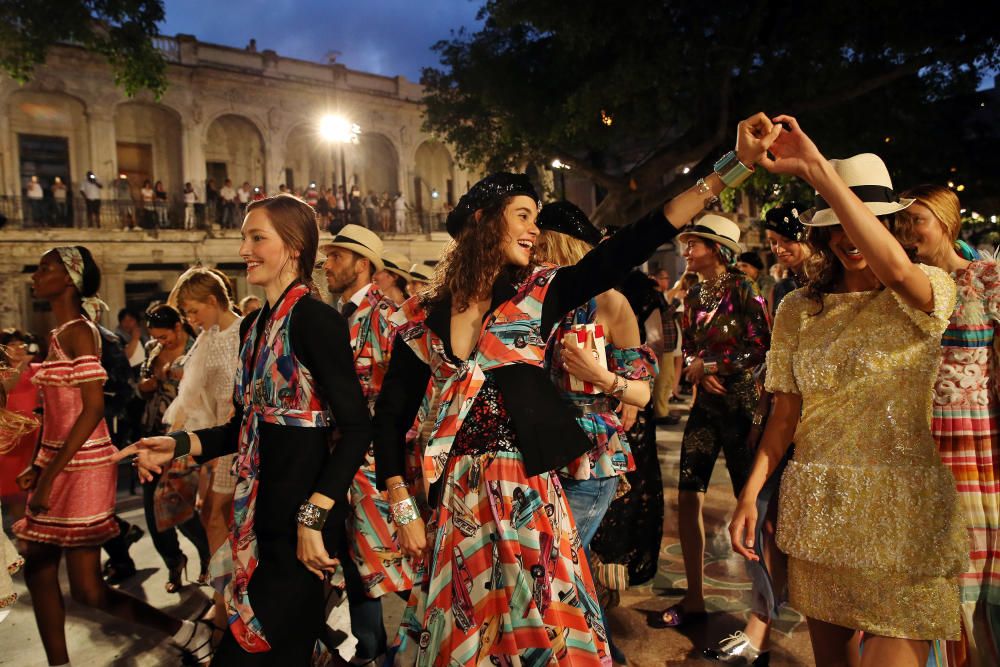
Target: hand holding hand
743,529
754,136
151,454
311,551
794,152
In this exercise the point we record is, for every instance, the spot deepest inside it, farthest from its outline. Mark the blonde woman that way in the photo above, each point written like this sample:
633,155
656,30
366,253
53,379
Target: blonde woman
205,396
965,410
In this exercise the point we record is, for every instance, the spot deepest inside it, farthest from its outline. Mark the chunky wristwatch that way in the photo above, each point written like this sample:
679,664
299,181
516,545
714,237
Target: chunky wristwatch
404,512
312,516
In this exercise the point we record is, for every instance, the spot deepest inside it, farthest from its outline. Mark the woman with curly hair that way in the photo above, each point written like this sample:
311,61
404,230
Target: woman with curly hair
868,515
966,409
506,575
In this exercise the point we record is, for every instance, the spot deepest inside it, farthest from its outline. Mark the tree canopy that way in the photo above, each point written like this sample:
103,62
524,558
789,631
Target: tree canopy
630,93
120,30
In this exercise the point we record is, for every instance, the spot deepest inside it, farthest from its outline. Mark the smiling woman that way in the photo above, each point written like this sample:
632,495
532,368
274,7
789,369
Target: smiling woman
295,381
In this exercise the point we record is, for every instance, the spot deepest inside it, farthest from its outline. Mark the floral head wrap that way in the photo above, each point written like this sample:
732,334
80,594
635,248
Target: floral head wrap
73,261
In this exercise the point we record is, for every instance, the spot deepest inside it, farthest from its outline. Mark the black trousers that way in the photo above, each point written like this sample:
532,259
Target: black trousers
719,423
287,599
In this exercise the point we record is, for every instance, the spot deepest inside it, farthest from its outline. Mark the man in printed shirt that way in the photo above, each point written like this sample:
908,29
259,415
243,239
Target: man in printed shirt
375,566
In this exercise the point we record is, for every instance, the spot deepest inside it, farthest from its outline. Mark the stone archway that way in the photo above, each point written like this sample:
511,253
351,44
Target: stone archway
48,120
377,164
235,142
148,140
307,158
434,173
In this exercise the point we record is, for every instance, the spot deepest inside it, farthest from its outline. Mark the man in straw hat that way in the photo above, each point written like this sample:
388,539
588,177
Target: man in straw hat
353,258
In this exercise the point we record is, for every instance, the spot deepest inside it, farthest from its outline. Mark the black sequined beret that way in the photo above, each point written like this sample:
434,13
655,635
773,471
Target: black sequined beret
486,192
566,218
785,221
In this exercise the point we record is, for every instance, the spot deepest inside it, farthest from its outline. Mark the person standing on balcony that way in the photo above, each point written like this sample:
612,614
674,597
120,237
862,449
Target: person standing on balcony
160,203
59,192
228,197
91,191
36,201
400,208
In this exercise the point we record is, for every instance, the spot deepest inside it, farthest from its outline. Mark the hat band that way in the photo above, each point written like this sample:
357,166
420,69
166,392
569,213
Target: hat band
349,240
389,264
866,193
704,229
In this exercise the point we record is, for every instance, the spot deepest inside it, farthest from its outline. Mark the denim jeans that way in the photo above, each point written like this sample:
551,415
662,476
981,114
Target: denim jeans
366,614
589,500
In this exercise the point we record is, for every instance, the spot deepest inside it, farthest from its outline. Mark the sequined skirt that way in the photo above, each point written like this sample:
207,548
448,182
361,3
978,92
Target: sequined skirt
881,603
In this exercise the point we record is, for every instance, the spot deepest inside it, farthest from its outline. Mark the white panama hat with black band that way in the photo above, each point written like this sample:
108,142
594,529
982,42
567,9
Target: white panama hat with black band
715,228
422,272
359,240
397,263
867,177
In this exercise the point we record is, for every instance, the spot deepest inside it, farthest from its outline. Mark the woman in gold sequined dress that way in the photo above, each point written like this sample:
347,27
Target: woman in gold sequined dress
869,516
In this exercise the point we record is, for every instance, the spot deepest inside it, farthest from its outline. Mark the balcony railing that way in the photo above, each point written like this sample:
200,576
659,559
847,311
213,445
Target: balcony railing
169,47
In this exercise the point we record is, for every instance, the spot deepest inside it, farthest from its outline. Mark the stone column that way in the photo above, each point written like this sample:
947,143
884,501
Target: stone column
113,289
193,156
103,154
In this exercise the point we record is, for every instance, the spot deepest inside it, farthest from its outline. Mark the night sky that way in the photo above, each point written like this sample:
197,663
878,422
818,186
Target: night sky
387,37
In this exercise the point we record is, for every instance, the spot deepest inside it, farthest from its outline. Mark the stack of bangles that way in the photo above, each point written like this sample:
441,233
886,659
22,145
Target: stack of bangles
405,511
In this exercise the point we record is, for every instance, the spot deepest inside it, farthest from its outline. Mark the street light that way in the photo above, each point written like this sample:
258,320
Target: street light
562,168
339,130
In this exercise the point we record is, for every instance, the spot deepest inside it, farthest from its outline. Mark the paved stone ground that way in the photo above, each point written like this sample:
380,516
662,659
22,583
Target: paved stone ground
95,639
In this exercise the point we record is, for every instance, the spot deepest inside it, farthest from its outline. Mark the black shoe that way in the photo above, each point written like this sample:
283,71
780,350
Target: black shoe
116,573
133,535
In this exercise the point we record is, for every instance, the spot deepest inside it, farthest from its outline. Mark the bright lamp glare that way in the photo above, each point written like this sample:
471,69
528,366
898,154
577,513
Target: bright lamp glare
338,129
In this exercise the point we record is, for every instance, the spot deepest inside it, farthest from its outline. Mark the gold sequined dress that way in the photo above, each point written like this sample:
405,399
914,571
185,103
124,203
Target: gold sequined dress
869,515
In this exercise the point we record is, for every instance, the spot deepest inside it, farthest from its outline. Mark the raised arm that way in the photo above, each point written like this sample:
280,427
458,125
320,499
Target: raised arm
607,265
796,154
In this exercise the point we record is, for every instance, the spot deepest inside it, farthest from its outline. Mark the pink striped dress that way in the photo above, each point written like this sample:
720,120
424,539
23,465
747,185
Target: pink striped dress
82,501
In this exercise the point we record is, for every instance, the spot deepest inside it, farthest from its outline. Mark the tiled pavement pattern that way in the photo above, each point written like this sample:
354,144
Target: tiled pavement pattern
95,639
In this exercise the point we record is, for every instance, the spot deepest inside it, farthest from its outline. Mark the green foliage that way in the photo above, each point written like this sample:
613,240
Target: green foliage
121,31
539,79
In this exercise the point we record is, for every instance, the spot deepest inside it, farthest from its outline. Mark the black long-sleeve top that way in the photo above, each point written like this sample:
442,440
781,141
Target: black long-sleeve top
547,432
297,459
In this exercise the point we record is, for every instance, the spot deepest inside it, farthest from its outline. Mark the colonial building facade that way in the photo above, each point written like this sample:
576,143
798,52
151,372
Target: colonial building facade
227,113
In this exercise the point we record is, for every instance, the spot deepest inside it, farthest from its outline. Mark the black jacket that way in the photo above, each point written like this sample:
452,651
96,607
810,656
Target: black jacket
547,433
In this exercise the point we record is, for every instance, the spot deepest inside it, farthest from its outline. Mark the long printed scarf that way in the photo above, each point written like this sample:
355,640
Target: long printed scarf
510,335
275,389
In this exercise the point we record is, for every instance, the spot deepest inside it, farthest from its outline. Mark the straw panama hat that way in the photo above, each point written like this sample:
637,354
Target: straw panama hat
421,272
360,240
713,227
397,262
867,176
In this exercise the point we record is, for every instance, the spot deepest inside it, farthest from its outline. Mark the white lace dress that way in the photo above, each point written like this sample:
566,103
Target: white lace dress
205,396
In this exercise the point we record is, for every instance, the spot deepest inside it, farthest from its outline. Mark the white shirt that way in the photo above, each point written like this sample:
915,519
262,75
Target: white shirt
35,191
90,190
147,194
59,191
205,394
357,297
400,204
227,193
190,197
244,195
